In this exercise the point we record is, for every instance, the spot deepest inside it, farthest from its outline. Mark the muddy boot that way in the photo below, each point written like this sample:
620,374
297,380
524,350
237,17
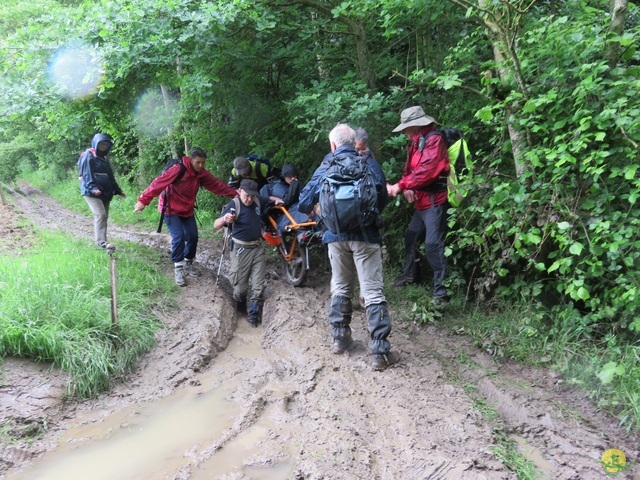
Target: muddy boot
190,268
241,306
380,361
255,313
410,274
179,276
340,311
379,329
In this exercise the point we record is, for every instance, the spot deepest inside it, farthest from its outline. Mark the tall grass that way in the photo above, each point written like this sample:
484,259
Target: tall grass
55,306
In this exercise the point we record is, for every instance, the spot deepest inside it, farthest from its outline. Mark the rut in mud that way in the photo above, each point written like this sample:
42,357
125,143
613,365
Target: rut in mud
218,399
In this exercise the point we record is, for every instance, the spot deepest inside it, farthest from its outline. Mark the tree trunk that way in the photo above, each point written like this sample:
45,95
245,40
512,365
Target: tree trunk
508,67
363,64
618,16
184,138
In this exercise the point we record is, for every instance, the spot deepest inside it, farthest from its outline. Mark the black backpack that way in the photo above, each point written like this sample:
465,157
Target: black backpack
348,195
167,191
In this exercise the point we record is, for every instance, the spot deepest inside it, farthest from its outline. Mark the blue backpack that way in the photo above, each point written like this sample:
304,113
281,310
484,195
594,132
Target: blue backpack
348,195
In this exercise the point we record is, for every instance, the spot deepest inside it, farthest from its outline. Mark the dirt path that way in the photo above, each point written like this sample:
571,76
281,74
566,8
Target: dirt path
218,399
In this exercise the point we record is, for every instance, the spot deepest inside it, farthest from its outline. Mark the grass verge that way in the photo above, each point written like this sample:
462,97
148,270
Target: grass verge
606,369
55,306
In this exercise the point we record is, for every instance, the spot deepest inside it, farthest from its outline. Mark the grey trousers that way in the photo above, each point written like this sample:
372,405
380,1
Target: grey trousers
247,275
361,260
100,210
351,260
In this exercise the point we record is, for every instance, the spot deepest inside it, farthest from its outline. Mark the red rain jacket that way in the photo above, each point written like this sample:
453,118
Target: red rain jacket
182,194
424,167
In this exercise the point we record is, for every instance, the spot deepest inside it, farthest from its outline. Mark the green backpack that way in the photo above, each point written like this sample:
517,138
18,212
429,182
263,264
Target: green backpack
460,162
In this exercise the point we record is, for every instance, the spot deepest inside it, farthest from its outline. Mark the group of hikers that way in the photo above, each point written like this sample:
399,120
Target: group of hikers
256,186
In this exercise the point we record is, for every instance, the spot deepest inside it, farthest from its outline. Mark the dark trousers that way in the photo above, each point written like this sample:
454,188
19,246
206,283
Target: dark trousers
435,222
184,237
413,236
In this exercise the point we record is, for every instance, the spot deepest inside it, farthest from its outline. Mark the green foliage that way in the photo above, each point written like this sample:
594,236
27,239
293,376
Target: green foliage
566,231
55,307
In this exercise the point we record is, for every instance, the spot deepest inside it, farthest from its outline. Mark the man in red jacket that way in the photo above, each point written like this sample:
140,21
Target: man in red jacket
424,183
180,197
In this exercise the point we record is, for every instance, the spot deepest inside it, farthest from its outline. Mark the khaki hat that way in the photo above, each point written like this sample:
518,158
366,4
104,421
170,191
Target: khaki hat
250,187
413,117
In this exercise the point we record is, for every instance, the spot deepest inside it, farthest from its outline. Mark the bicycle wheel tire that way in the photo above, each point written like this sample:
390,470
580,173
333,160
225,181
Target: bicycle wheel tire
296,269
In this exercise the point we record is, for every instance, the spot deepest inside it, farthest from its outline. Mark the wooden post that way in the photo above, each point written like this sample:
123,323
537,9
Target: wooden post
114,284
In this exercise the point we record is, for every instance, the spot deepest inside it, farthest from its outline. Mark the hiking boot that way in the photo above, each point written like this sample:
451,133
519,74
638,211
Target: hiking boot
255,313
241,306
179,276
380,361
403,282
253,322
190,269
441,301
341,344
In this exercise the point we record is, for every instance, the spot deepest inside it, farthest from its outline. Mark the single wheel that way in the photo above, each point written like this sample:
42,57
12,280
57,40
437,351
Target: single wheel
296,269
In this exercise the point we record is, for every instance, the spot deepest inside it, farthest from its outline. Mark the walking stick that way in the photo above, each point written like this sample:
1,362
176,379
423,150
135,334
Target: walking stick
225,241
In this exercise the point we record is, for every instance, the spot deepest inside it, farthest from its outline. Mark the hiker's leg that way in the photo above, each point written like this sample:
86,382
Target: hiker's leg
413,236
257,274
343,270
240,271
100,211
367,258
435,221
191,237
176,230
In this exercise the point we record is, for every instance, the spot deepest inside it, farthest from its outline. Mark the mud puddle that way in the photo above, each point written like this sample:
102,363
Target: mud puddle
155,439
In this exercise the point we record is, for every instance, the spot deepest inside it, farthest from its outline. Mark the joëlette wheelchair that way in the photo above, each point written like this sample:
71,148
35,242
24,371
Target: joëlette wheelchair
292,241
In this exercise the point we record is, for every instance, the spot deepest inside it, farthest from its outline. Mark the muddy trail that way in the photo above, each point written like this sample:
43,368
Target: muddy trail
217,399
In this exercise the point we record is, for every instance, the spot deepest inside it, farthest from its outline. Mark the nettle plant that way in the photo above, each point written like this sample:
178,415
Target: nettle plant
566,232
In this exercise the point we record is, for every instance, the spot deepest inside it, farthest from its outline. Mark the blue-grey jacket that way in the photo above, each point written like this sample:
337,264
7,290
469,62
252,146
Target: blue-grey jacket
310,195
96,173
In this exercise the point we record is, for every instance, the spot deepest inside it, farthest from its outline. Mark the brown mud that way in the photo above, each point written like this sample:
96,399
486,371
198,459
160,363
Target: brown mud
217,399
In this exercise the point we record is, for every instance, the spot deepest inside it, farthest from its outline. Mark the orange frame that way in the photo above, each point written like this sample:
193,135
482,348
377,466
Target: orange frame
273,238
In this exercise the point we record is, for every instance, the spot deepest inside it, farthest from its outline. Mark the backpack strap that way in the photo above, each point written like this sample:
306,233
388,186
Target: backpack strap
440,184
258,167
422,140
167,192
236,203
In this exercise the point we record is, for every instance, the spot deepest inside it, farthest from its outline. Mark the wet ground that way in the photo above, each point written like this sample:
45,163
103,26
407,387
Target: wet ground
217,399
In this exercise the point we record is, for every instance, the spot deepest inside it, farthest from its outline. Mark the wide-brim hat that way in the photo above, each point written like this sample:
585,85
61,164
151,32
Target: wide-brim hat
250,187
413,117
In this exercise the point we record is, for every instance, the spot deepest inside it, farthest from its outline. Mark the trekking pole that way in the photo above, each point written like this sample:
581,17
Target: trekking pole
225,241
